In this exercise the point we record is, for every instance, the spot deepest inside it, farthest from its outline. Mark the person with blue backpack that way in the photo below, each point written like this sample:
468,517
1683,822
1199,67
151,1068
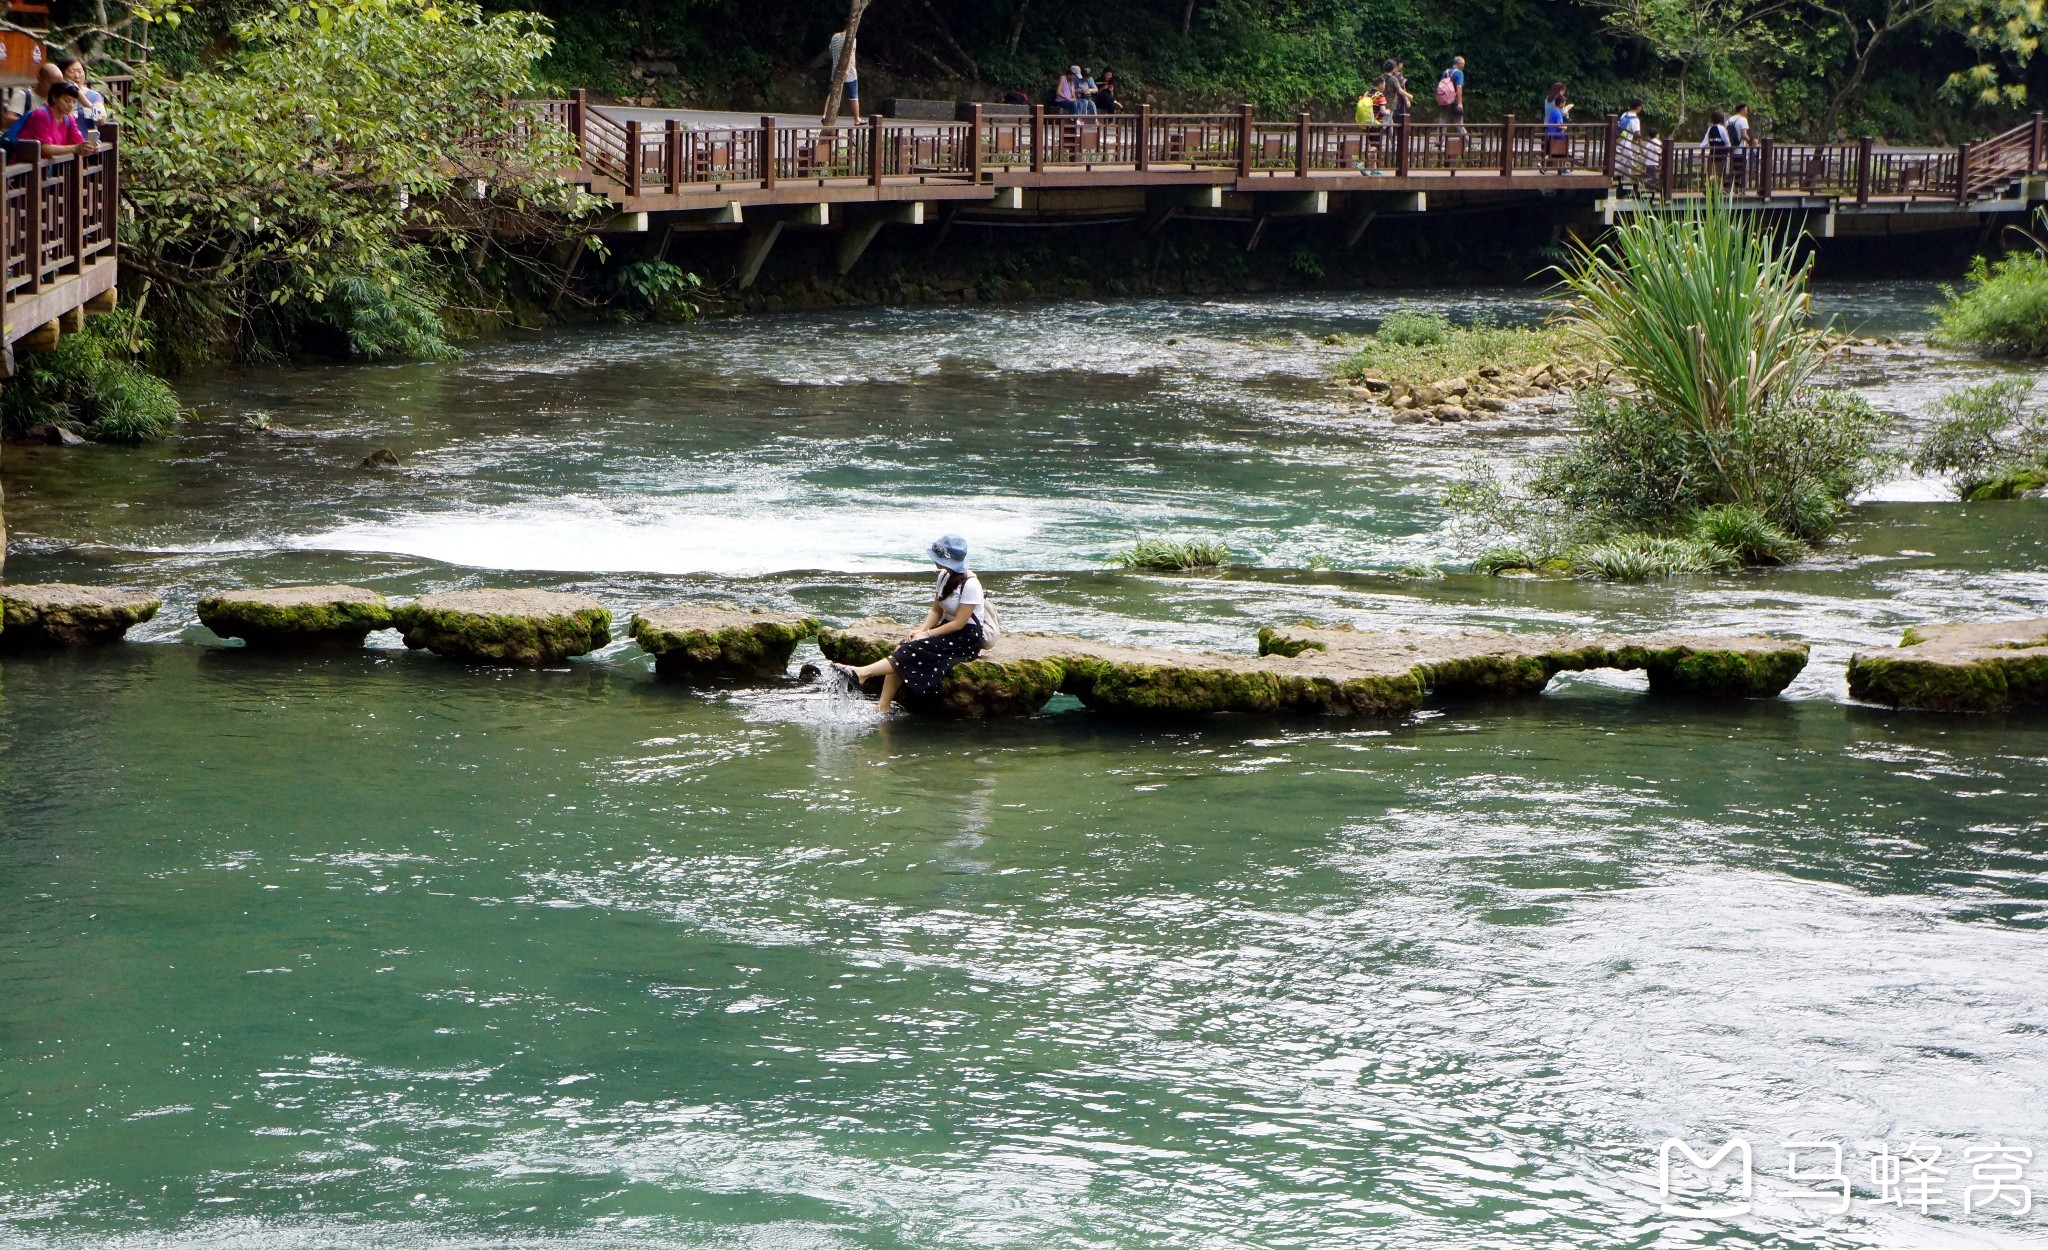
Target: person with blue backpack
55,125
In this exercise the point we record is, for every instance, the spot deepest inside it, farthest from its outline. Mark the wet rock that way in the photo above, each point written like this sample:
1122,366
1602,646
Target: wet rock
1428,397
1448,412
382,458
1489,371
1308,670
1376,385
1979,667
1404,402
58,614
296,616
1492,403
699,640
1455,386
53,434
1410,417
529,627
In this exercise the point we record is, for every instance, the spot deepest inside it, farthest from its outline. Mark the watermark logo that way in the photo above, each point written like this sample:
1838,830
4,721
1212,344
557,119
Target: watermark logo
1719,1181
1697,1180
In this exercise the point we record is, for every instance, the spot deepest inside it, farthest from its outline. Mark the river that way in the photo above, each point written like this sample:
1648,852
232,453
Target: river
374,949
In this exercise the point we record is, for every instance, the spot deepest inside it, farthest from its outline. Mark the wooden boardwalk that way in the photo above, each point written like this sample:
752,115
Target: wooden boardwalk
1018,167
58,224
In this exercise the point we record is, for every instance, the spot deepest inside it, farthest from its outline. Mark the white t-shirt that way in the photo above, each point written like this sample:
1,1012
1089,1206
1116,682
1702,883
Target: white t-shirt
838,42
969,593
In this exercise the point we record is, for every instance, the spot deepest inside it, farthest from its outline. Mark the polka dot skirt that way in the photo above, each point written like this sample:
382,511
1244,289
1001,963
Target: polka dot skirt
923,664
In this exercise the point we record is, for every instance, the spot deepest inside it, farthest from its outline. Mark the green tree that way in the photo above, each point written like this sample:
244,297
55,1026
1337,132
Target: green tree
345,168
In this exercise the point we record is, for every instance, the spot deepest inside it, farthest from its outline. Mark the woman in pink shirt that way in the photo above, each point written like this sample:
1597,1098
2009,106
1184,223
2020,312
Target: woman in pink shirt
55,125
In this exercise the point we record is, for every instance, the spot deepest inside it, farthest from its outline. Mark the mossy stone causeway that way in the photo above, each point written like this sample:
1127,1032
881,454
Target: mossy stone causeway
58,614
289,616
524,627
700,640
1988,666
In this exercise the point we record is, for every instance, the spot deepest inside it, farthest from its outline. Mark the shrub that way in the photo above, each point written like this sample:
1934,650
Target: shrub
1406,329
1173,555
1639,557
89,383
2003,310
655,288
1746,534
1988,437
1458,351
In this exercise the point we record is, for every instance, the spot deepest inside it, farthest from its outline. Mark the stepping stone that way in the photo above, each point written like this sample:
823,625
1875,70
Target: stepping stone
1990,666
296,616
62,615
1309,670
529,627
691,640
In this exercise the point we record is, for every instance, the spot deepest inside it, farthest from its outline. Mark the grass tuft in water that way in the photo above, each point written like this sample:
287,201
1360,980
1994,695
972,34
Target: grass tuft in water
1173,555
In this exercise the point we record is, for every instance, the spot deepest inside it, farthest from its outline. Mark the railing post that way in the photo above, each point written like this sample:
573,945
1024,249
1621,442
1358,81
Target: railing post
875,150
1507,145
110,201
1612,157
633,157
1767,177
1301,145
1865,148
1145,137
2034,137
672,151
1667,168
1038,138
1245,134
767,142
32,153
974,144
74,212
578,102
1401,148
1963,171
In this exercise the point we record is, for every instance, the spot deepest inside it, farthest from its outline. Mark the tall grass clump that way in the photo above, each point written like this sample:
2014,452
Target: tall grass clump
1415,350
1173,555
1717,450
90,384
1991,441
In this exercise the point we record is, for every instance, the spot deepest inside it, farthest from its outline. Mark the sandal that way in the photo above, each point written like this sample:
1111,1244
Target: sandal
846,675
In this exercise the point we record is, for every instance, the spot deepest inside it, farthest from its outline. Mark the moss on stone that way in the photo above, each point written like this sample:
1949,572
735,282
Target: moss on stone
1975,667
526,627
2012,485
285,616
692,640
1713,673
59,614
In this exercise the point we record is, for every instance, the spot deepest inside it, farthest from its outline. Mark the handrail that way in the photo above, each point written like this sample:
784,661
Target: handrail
57,214
636,156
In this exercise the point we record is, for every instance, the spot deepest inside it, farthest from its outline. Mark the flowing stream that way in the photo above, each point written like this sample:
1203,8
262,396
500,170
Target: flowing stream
374,949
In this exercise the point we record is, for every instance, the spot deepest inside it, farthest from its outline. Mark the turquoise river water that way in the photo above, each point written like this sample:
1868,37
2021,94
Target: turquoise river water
378,950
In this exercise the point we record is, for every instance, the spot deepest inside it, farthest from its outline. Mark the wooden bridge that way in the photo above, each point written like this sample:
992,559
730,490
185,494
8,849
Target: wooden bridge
58,221
1018,165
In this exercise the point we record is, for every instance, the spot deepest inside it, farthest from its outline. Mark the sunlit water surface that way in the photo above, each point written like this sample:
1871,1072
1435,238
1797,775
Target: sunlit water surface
377,950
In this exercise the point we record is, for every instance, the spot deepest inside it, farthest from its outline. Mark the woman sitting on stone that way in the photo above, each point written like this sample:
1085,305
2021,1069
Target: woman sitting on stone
959,626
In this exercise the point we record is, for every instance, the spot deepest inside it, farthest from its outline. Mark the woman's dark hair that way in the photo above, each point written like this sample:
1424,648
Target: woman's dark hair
1556,92
954,581
60,90
1719,118
1634,104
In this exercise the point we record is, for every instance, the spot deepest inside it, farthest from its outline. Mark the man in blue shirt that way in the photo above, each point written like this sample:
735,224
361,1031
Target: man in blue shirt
1450,100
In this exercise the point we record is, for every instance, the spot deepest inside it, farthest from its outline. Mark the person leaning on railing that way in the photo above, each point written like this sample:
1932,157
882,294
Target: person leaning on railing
92,105
55,125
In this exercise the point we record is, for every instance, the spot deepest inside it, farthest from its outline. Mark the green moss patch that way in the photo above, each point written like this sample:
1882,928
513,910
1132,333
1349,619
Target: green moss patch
59,614
525,627
1976,667
690,640
286,616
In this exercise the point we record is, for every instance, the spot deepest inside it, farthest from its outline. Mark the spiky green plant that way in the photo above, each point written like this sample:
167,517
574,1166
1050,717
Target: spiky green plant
1746,533
1639,557
1173,555
1706,315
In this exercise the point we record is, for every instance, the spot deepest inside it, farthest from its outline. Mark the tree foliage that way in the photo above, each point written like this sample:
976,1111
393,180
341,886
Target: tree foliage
344,168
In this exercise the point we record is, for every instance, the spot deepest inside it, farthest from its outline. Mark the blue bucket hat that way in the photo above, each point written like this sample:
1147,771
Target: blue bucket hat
950,552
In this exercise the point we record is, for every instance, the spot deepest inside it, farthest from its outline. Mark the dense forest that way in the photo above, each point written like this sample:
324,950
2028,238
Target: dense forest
1898,68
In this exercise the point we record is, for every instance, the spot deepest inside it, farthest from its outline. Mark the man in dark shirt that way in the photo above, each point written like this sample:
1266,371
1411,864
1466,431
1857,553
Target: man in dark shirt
1394,86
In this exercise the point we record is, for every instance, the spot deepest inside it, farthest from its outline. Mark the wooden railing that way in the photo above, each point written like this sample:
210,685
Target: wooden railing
57,214
640,158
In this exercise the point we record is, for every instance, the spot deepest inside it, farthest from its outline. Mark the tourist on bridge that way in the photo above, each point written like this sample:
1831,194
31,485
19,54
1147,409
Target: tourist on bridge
92,109
21,101
55,125
1063,96
851,78
961,624
1084,92
1450,101
1105,91
1393,87
1557,113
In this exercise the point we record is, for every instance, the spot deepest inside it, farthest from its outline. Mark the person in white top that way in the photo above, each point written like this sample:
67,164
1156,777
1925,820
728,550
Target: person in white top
961,624
852,79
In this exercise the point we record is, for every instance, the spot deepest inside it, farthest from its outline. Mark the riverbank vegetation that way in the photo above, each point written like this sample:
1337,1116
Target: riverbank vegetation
344,177
90,385
2002,309
1991,442
1716,449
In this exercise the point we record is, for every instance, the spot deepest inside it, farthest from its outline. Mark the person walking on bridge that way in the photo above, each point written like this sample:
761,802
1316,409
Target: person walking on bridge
1393,85
852,75
1450,101
960,625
